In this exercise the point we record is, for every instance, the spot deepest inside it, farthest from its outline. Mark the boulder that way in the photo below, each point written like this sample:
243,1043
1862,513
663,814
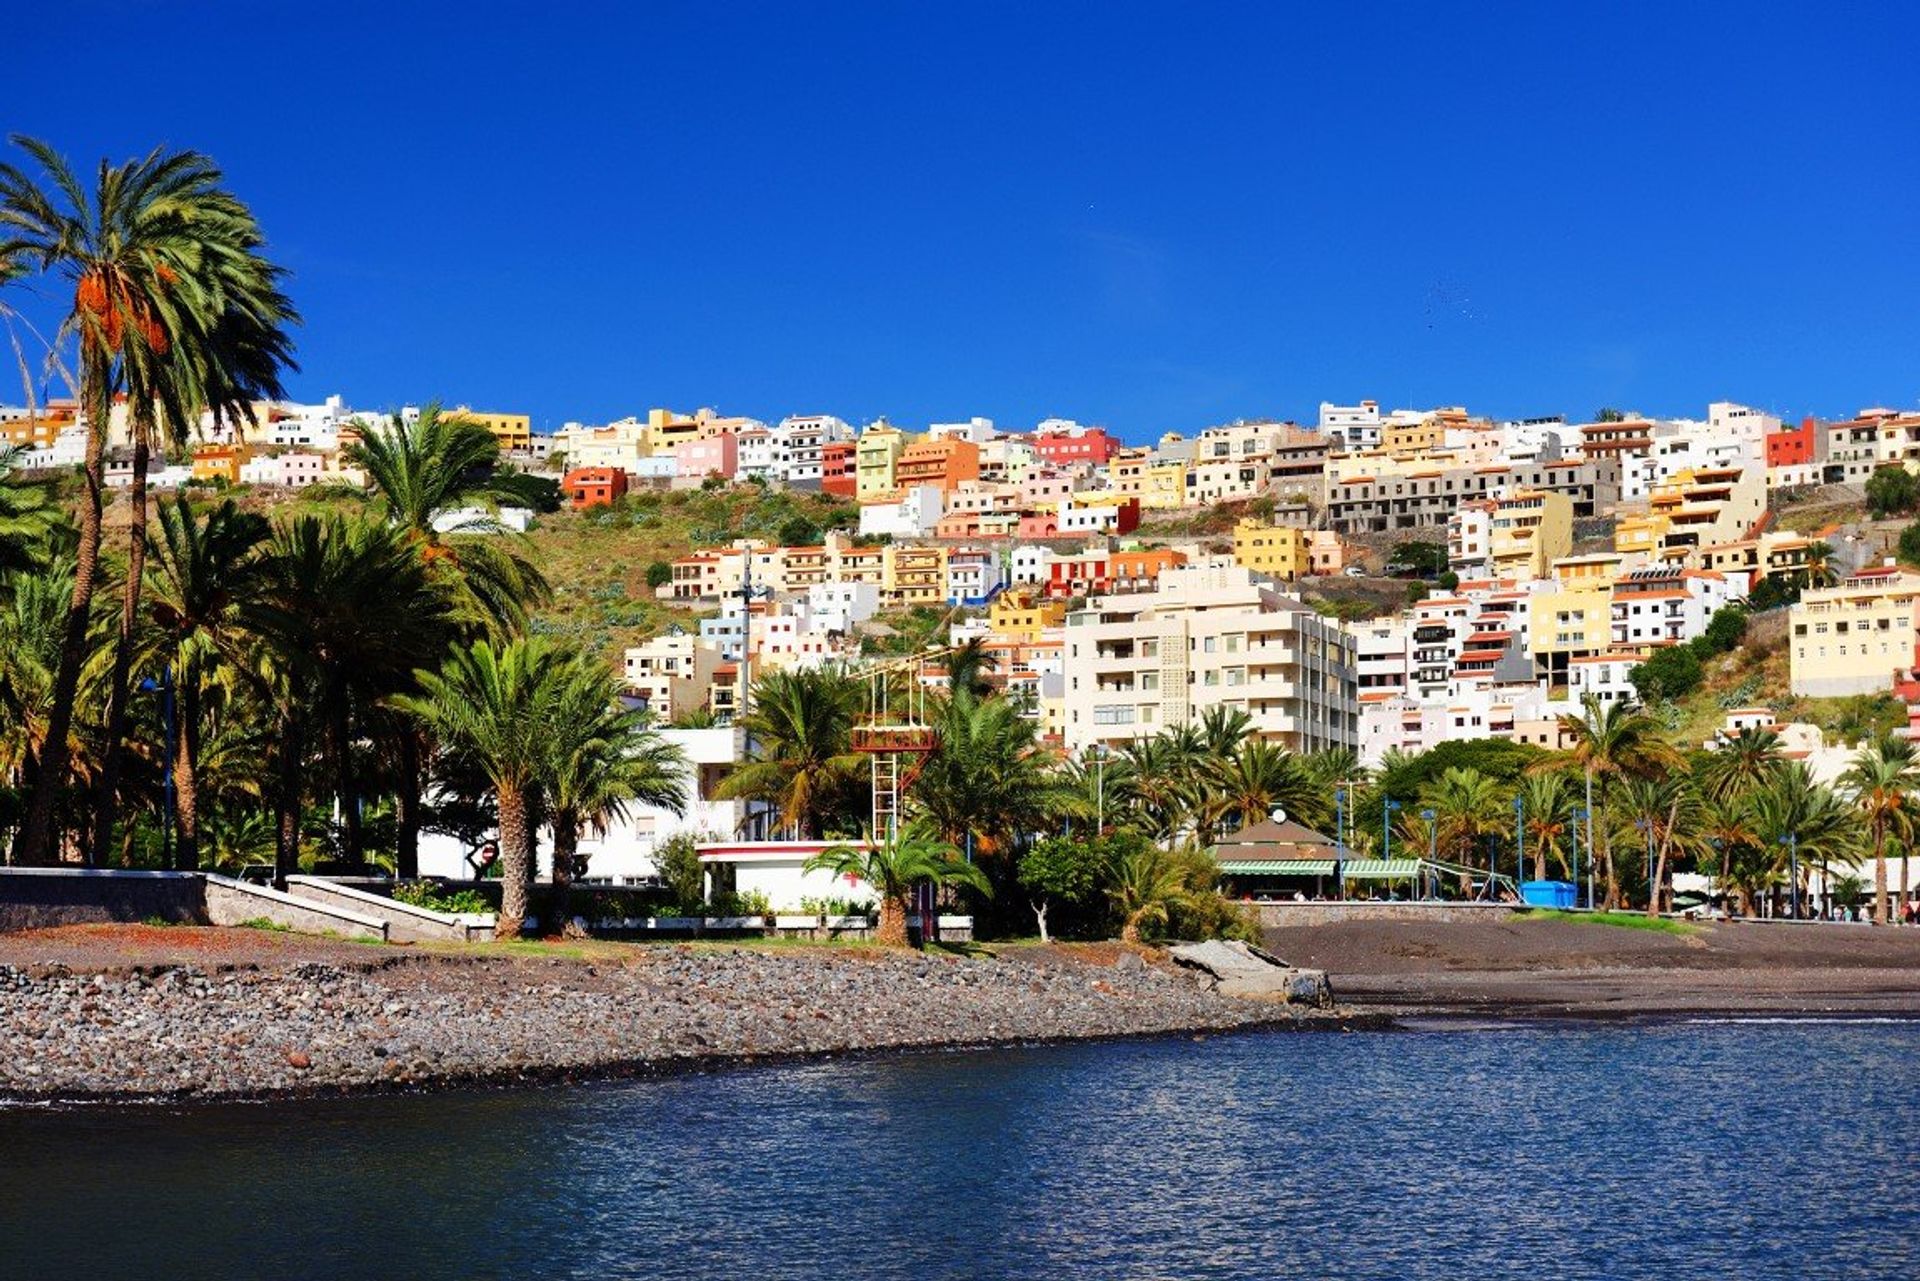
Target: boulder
1240,969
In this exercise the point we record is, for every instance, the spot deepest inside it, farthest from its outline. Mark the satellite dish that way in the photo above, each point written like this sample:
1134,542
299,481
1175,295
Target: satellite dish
1277,814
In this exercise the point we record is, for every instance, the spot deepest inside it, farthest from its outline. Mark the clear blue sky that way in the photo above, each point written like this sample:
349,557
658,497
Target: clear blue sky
1156,217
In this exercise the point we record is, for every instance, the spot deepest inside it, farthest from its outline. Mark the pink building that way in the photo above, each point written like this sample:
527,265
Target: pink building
695,460
1090,446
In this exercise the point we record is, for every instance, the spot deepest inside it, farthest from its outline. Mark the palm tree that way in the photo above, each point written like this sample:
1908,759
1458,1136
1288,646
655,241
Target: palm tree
430,469
1883,777
894,866
1547,815
1257,779
1146,885
1748,760
989,783
1611,741
1666,811
966,667
498,706
205,577
28,517
602,759
136,250
799,726
1468,807
349,614
1826,830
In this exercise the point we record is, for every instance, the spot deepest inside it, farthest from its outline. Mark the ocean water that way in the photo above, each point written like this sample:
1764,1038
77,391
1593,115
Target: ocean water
1708,1149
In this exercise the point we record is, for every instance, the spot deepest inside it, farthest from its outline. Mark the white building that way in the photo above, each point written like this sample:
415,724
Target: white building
1030,563
912,515
1353,427
976,430
289,471
797,442
840,607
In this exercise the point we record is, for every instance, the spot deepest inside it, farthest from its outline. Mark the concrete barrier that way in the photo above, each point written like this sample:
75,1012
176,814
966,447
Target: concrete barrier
406,923
36,898
1275,914
231,902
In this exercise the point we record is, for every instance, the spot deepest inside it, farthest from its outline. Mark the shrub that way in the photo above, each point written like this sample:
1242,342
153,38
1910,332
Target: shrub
429,895
659,574
1892,490
1669,673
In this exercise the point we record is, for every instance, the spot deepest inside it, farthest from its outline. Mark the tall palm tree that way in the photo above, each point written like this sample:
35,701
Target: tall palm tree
349,615
426,472
1883,778
498,705
205,576
1826,830
1748,760
1547,806
28,517
1257,779
894,866
1222,730
799,727
603,758
135,249
1666,812
1468,807
989,783
966,667
1611,741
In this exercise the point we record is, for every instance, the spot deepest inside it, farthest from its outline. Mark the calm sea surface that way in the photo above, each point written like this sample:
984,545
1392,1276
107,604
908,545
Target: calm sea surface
1680,1150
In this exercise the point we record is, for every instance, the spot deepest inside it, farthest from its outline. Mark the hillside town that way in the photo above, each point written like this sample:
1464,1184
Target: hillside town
1116,590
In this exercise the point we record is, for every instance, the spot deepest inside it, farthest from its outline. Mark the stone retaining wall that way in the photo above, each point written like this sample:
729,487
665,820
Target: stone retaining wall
1276,914
42,897
231,902
405,922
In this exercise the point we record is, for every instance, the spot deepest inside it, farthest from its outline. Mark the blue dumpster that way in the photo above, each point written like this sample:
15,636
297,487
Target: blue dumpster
1547,893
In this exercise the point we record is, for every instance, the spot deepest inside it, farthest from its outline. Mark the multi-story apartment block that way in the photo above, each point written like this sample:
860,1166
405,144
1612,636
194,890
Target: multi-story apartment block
1090,445
799,443
513,431
944,465
1387,504
838,475
1531,529
1352,427
974,575
1278,551
671,673
1796,455
1025,616
1663,604
1777,553
1208,635
1856,637
879,450
915,575
1853,448
754,457
1692,510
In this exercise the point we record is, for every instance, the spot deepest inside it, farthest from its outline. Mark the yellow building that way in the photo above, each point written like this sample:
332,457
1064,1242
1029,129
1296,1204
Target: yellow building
1573,622
1163,487
1022,617
1597,569
1531,529
1694,508
513,431
1856,637
1778,553
665,429
874,459
219,462
915,575
1280,551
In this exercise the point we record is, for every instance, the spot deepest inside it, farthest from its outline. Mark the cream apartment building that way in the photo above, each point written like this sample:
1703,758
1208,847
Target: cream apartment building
1854,638
1208,635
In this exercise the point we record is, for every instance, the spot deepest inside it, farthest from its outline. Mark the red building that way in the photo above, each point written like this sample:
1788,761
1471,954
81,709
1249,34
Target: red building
837,474
1090,446
1794,446
593,486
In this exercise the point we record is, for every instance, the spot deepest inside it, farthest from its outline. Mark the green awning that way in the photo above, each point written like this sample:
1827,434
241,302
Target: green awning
1374,869
1278,867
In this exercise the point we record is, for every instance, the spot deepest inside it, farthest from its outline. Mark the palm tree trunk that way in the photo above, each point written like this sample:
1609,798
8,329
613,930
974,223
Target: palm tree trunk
1880,875
892,931
106,796
352,842
407,809
38,843
516,863
566,842
186,780
286,841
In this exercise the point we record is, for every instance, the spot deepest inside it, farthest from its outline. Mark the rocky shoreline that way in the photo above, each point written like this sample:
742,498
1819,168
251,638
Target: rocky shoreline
176,1032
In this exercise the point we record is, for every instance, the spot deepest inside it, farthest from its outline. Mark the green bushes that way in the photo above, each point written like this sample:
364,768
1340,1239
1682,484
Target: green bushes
1892,491
1677,670
1121,882
428,895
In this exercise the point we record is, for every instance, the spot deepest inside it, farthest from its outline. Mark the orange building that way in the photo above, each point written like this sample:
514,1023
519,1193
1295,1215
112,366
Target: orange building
219,462
593,486
1140,571
944,464
837,471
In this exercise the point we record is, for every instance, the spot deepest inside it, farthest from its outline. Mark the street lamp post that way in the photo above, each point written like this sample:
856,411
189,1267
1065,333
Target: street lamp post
1792,841
1579,817
1519,842
1433,846
165,687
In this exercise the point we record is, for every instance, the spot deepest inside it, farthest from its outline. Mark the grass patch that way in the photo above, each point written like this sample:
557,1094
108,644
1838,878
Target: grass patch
262,923
1624,920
